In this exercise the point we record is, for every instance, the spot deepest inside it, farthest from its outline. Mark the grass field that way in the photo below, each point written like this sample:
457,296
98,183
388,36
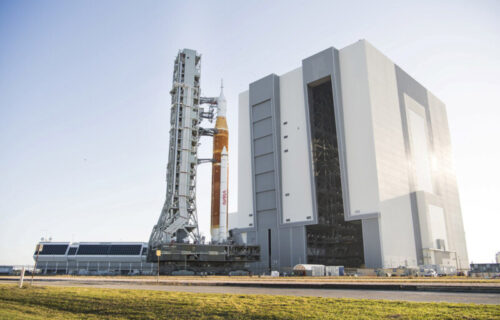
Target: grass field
89,303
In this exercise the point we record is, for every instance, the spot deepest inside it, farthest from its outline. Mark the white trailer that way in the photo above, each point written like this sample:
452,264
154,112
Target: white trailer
334,271
311,270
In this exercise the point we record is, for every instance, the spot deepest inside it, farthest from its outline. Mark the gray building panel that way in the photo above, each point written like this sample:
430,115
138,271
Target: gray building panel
261,111
371,244
263,145
262,127
298,245
266,200
266,163
264,182
318,66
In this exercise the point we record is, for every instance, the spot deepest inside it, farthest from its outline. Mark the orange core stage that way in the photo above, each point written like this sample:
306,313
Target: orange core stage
220,141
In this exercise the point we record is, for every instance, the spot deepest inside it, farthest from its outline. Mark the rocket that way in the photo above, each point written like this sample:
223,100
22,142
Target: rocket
219,212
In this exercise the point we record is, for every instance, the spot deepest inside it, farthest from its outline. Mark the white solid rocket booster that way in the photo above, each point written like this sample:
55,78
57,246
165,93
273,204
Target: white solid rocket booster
223,196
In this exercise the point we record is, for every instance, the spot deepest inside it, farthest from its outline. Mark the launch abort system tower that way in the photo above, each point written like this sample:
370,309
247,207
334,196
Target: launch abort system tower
175,239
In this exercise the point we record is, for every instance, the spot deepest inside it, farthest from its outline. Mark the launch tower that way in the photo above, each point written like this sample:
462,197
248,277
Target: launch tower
178,219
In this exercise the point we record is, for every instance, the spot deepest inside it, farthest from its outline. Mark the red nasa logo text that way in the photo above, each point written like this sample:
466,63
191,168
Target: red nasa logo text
224,197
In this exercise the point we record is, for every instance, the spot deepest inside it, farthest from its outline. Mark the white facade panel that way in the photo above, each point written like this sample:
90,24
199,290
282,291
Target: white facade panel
437,226
392,165
232,220
244,217
295,163
360,148
396,233
446,183
421,155
396,219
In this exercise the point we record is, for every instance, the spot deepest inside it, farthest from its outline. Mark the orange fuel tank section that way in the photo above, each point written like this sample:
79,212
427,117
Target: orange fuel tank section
220,141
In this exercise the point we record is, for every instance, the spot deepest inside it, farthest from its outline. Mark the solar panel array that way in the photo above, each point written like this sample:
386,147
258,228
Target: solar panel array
94,249
57,249
125,249
105,249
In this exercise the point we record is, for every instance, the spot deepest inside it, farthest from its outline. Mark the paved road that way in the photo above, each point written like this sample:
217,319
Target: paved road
478,298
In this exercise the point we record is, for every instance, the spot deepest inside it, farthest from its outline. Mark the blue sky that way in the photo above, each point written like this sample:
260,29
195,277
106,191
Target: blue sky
84,100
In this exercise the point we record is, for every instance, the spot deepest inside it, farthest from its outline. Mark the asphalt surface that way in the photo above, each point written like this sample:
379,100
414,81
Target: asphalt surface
454,297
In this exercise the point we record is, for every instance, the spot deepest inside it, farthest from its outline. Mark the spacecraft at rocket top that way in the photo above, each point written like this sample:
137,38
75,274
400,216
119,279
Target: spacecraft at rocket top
219,216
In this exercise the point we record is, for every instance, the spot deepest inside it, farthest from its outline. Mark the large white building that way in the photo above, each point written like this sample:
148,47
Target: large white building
346,160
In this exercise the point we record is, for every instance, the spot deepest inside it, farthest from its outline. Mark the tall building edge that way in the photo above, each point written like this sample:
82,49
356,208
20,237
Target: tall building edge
346,160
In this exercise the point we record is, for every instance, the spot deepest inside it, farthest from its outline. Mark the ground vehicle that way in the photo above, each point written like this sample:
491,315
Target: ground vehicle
427,273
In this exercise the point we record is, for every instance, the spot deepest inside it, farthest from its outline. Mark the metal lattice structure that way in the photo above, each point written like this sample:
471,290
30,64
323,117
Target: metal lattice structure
178,220
333,240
